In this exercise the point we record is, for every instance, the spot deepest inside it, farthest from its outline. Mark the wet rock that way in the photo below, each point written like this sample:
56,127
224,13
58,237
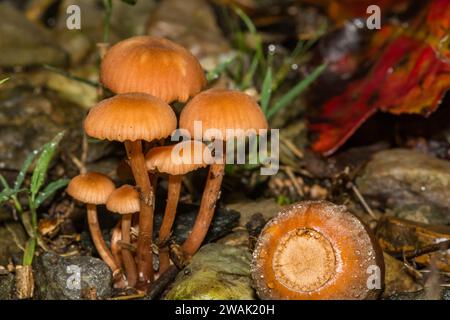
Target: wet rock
23,43
12,237
189,31
422,213
268,208
126,20
400,178
29,119
71,278
223,222
71,90
238,238
217,271
6,286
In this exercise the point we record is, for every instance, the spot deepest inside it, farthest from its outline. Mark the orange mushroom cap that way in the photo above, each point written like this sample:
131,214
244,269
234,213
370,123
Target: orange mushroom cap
223,109
91,187
152,65
316,250
130,116
124,200
175,161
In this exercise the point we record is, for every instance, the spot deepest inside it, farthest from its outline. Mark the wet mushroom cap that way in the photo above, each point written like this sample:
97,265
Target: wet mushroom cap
130,116
222,109
178,159
91,187
316,250
152,65
124,200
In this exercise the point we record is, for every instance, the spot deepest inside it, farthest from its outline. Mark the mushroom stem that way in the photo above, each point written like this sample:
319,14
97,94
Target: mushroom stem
173,196
100,244
144,245
115,247
171,207
128,259
210,196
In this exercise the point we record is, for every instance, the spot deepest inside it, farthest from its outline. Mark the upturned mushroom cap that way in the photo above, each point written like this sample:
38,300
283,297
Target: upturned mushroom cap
179,158
124,200
91,187
222,109
152,65
130,116
316,250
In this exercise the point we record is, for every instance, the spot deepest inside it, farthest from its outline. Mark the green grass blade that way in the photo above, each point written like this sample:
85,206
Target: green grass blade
49,190
23,170
266,90
217,71
248,78
42,164
4,80
29,252
295,91
251,27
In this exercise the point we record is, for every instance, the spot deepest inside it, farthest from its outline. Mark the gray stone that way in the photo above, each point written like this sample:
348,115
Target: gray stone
28,120
217,272
6,286
223,222
56,277
189,31
23,43
400,178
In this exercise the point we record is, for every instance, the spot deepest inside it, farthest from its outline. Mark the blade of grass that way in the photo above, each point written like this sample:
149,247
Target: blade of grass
23,170
4,80
71,76
247,81
29,252
40,171
266,90
254,32
295,91
217,71
49,190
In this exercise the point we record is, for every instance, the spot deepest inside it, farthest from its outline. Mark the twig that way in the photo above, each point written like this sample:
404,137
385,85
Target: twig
445,245
158,286
129,297
293,148
292,177
363,201
71,76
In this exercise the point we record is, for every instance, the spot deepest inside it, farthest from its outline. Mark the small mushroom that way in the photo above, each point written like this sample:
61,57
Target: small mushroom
132,118
93,189
125,201
220,110
152,65
317,250
175,160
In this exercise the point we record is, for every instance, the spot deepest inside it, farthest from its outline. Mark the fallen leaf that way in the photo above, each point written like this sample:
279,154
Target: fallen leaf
411,75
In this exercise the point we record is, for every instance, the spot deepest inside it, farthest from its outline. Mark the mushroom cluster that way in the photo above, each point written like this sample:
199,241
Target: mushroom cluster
146,74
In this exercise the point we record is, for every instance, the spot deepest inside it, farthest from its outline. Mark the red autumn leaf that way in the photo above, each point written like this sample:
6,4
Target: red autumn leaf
411,75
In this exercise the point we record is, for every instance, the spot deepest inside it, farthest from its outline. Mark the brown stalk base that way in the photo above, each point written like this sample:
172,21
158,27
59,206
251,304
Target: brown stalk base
207,206
144,245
